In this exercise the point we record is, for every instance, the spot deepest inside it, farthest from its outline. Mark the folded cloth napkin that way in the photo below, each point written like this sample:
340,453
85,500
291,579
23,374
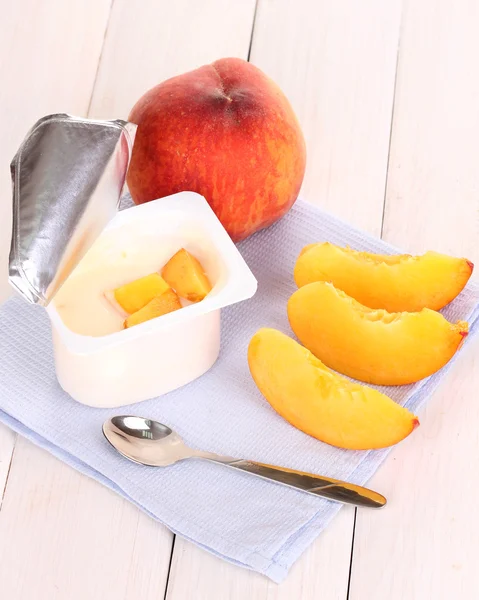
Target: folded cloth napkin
250,522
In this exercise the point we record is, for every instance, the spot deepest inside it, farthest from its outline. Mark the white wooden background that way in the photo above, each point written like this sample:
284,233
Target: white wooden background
388,97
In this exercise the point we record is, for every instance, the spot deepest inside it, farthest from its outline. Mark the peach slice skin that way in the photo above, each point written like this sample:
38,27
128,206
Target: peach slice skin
135,295
161,305
395,283
185,274
372,345
320,402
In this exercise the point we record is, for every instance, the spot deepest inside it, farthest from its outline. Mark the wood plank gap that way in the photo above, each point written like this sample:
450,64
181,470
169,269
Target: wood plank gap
169,566
352,554
381,235
391,125
8,471
252,30
100,57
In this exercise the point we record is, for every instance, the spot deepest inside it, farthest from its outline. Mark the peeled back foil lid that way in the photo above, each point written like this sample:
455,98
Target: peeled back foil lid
67,180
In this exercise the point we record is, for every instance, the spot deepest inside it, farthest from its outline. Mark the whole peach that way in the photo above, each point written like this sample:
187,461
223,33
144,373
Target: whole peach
226,131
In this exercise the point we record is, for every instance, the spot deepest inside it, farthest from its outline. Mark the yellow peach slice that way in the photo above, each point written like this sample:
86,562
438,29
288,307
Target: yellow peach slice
185,274
372,345
161,305
396,282
135,295
320,402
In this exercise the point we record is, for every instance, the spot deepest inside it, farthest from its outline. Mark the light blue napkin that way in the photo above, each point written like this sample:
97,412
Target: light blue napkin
250,522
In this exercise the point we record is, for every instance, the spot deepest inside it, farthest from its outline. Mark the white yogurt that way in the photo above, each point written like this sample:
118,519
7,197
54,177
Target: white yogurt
81,302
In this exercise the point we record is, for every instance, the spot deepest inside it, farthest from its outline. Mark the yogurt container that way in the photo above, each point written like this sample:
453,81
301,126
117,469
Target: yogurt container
68,177
160,355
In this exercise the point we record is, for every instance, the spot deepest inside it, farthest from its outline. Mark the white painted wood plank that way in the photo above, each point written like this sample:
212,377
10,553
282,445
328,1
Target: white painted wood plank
433,180
321,573
162,39
336,62
64,536
424,543
49,53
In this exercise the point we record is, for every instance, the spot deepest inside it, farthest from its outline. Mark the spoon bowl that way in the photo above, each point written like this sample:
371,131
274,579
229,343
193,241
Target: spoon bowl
145,441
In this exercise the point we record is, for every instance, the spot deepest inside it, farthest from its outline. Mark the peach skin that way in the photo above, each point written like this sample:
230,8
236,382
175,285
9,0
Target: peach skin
226,131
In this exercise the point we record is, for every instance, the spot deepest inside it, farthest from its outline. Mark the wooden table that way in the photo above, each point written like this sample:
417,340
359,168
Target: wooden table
388,97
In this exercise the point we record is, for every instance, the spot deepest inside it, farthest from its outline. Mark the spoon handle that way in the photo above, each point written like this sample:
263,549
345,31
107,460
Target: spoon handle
332,489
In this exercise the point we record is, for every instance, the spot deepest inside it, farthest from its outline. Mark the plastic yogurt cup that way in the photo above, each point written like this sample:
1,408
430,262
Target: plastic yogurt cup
165,353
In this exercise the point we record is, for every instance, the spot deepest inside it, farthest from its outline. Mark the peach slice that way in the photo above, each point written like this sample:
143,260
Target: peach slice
160,305
396,283
185,274
320,402
369,344
135,295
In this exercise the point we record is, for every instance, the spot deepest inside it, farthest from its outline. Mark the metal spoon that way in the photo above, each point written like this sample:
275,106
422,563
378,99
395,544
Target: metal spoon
151,443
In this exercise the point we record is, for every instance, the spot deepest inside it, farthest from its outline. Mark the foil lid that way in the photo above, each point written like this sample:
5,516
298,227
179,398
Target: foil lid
67,179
